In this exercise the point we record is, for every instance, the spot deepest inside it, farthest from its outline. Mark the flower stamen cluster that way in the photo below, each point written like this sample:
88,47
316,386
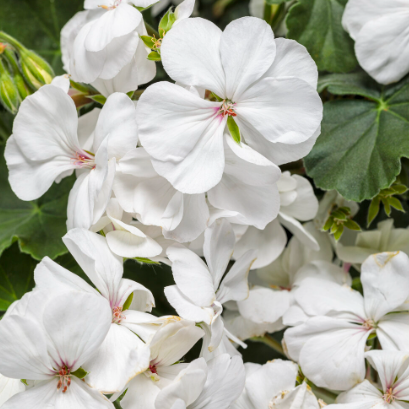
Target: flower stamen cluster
388,396
227,109
84,159
117,315
114,6
65,379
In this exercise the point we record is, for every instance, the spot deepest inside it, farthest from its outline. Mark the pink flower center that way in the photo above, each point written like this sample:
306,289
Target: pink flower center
84,159
227,109
388,396
368,324
117,315
65,379
152,368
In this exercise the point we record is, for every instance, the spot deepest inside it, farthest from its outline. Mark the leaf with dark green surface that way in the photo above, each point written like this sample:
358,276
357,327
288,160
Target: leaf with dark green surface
16,276
37,24
39,225
316,24
362,140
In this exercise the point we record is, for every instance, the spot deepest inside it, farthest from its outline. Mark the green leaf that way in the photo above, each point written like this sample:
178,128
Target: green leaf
128,302
39,225
154,56
399,189
316,24
101,99
373,209
37,24
234,129
80,373
148,41
328,224
166,22
387,206
358,152
394,202
16,276
338,233
357,83
350,224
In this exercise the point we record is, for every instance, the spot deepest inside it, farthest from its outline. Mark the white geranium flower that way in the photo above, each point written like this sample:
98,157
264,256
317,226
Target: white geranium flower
103,43
392,390
46,147
168,346
271,304
123,236
122,354
152,199
379,29
201,289
273,385
215,384
356,247
297,203
255,76
330,346
9,387
68,328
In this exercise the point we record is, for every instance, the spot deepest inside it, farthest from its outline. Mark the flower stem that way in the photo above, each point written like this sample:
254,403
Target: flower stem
117,405
271,342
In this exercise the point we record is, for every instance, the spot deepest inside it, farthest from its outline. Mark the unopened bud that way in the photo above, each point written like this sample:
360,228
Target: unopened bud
36,71
9,95
23,88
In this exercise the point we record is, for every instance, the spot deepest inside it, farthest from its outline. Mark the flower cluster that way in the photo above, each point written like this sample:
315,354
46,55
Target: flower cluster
187,173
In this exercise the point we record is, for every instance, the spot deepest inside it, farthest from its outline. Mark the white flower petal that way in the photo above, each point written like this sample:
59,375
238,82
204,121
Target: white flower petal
9,387
293,60
382,47
247,50
330,351
234,285
76,324
269,243
219,240
191,55
385,281
270,108
141,393
120,358
264,305
269,380
183,135
113,23
191,275
92,253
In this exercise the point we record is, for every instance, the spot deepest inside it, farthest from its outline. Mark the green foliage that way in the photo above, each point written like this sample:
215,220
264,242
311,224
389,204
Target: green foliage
362,140
39,225
234,129
37,25
388,199
317,25
16,276
339,218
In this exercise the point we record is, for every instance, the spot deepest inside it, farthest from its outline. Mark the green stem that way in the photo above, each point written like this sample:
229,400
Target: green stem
151,31
12,41
117,405
271,342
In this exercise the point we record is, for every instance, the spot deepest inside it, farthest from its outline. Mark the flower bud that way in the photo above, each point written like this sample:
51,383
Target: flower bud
9,95
23,88
36,71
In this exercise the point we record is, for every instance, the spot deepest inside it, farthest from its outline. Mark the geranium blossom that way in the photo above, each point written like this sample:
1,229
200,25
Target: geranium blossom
201,289
381,37
68,328
392,391
122,355
273,385
252,74
330,346
45,147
